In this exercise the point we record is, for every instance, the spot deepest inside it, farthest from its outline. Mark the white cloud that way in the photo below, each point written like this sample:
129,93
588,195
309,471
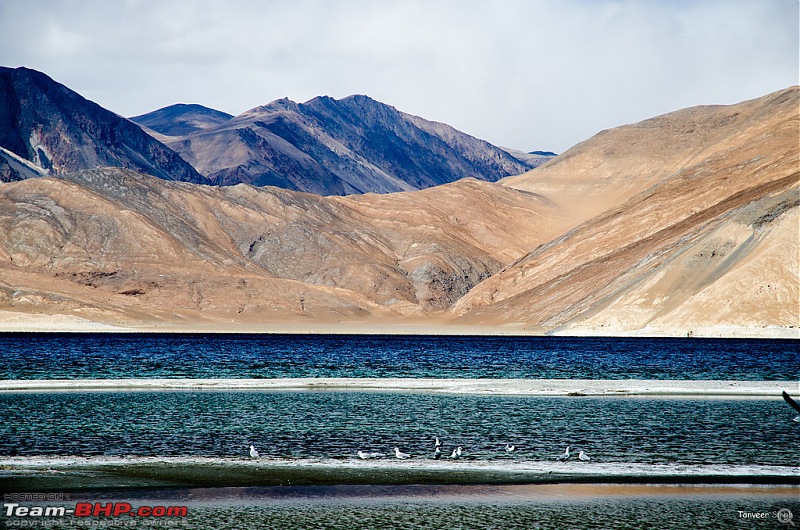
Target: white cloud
523,73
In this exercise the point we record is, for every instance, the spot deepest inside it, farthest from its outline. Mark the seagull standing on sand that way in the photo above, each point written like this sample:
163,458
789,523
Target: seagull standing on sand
401,456
564,456
437,454
456,454
510,448
362,455
583,457
253,452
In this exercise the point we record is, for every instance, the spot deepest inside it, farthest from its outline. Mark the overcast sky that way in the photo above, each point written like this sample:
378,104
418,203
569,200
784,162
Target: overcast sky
527,74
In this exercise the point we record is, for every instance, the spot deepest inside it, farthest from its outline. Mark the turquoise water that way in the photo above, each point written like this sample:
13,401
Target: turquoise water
300,429
306,425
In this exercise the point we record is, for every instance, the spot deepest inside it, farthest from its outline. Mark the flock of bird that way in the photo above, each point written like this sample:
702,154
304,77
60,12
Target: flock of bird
437,453
458,451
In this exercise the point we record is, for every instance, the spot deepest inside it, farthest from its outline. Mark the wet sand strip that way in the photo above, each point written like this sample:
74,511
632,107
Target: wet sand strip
59,474
509,387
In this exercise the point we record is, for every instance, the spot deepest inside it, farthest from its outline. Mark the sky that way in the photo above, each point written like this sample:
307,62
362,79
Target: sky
524,74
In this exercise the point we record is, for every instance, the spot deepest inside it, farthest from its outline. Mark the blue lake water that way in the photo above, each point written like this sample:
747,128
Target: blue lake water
82,356
307,424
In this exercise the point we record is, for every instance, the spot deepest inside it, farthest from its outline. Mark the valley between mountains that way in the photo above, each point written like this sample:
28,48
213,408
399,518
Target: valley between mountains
687,223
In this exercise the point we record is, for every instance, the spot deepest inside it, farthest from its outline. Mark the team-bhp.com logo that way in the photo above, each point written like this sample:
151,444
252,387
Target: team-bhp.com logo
96,509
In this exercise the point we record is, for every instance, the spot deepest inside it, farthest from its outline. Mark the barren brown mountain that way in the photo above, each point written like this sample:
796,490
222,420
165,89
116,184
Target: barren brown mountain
699,227
679,223
117,246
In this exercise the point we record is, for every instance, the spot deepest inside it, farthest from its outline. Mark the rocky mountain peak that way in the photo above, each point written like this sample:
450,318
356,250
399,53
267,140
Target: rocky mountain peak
181,119
282,104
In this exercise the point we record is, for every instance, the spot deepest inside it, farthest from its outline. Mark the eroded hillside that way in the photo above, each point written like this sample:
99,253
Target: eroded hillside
118,245
668,252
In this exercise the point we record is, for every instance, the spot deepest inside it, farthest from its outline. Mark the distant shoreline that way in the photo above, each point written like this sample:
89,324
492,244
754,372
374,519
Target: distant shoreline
40,323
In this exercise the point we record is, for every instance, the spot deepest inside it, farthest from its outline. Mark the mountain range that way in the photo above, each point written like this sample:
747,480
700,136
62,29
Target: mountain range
329,146
324,146
685,223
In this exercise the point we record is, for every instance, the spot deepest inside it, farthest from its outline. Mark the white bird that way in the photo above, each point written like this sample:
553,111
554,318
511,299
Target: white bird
564,456
456,453
437,454
510,448
400,455
583,457
253,452
438,443
364,456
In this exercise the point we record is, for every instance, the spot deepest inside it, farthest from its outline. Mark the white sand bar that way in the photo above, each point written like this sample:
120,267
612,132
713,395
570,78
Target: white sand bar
509,387
390,464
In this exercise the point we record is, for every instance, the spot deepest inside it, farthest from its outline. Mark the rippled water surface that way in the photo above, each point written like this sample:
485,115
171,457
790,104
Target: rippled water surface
80,356
553,507
337,424
695,513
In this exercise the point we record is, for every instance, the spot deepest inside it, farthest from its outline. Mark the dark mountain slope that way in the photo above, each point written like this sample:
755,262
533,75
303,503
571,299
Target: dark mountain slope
46,123
338,147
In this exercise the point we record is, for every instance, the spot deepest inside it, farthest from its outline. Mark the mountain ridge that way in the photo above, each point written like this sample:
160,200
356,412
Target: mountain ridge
324,146
152,247
336,147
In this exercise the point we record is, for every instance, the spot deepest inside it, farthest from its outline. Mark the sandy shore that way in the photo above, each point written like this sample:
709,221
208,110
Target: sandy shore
40,323
510,387
729,332
11,322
